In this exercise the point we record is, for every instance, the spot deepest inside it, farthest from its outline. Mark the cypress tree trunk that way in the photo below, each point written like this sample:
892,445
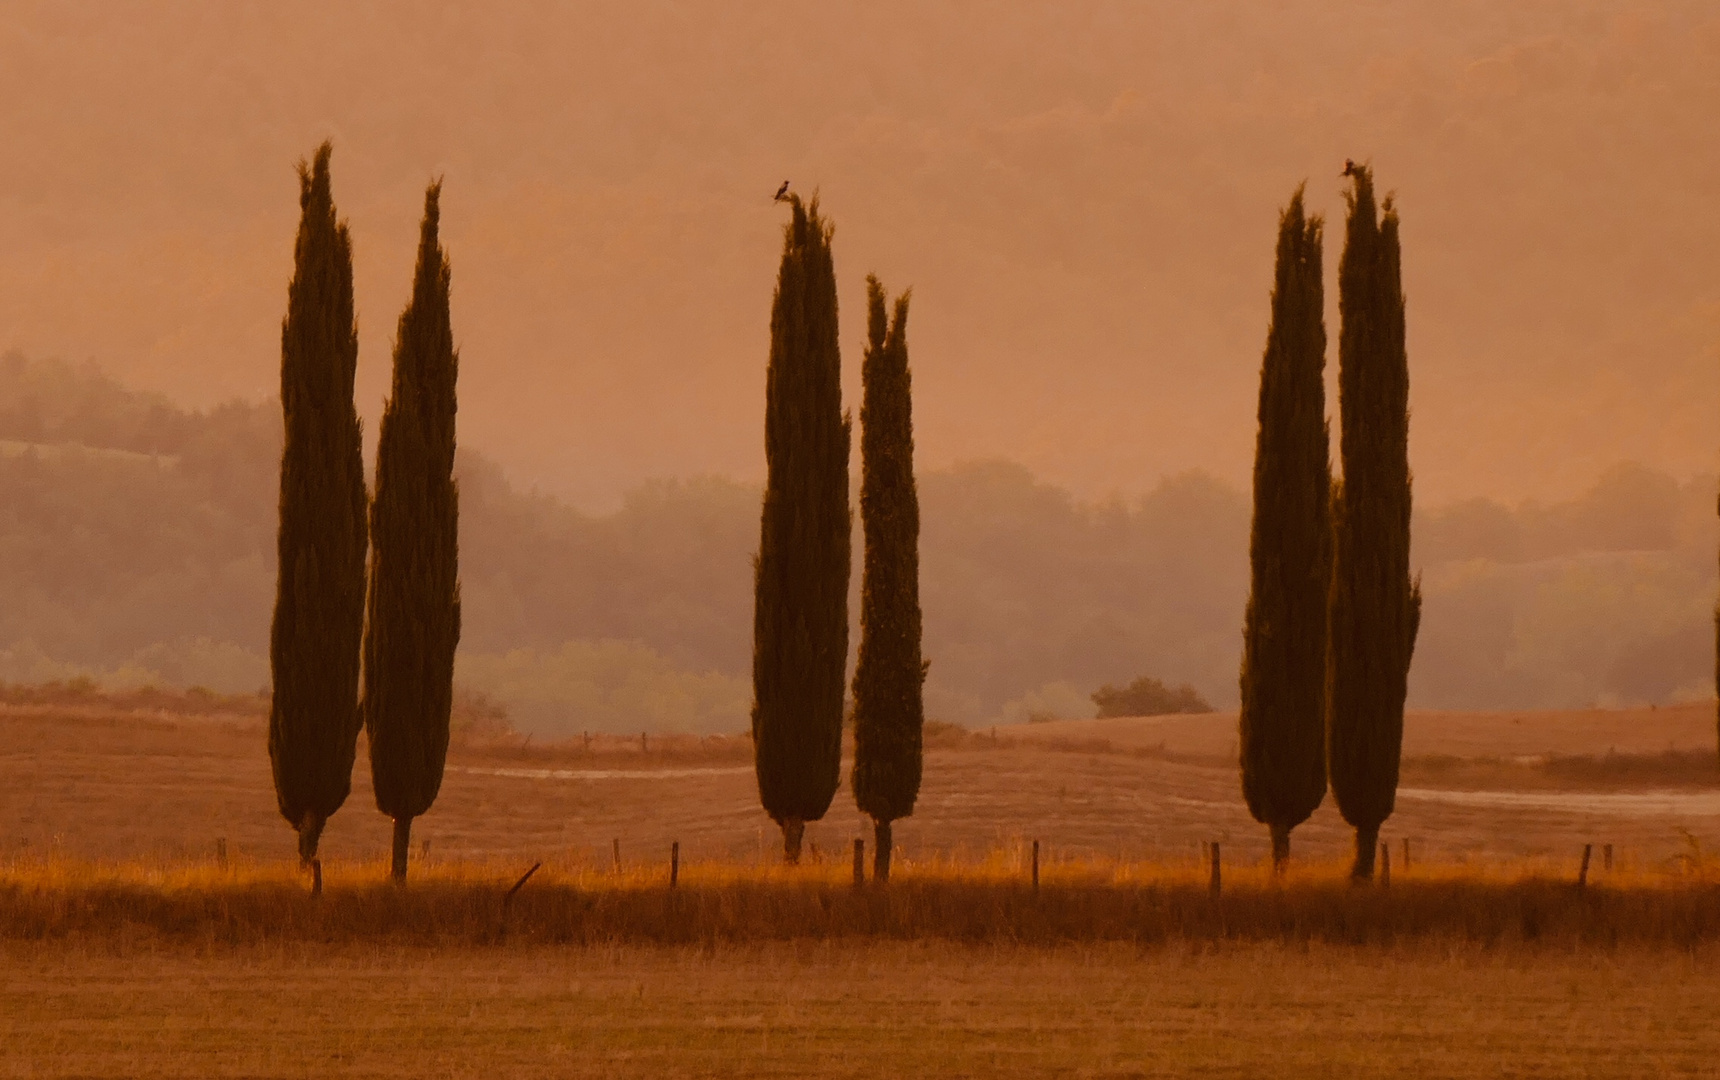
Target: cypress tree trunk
402,845
320,548
1367,843
881,846
889,713
414,606
800,608
1280,835
1283,716
1375,607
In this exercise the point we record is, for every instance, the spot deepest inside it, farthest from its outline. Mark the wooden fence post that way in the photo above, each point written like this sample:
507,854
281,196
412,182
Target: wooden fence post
508,897
1406,854
615,847
859,863
674,863
1217,881
1385,864
1036,866
1606,858
1583,871
221,851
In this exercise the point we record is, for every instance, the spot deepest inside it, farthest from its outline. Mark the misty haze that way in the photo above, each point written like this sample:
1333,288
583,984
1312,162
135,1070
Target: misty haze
140,550
1103,538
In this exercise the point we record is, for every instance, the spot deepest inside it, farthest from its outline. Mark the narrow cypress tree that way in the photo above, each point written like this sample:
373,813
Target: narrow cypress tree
319,590
1375,607
414,607
1283,717
889,714
800,610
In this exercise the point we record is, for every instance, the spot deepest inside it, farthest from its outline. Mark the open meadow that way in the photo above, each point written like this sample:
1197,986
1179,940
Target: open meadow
153,925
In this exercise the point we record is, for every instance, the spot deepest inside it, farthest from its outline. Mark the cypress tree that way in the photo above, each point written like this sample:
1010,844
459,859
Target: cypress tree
1375,607
413,619
1283,712
800,608
319,590
889,714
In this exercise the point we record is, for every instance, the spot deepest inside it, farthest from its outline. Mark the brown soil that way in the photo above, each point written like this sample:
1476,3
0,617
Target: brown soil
107,785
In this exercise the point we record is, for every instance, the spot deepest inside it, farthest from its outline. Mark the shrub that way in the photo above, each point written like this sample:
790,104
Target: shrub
1147,696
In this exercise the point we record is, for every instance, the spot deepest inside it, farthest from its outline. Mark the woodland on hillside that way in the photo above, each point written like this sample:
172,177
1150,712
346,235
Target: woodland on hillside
137,544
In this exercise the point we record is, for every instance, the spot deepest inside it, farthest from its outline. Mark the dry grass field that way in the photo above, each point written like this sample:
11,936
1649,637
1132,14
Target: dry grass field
127,948
874,1010
101,781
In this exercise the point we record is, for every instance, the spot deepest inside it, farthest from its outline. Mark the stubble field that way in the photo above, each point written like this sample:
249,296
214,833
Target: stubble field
127,949
869,1010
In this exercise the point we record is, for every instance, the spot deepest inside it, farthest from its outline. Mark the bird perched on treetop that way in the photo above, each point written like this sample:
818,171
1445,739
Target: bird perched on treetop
1351,168
782,192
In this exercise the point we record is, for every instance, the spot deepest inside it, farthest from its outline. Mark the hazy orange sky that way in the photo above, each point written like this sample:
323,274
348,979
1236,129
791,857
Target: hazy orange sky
1083,197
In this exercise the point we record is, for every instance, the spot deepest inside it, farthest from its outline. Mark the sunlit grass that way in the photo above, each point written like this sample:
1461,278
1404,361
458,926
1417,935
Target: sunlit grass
989,899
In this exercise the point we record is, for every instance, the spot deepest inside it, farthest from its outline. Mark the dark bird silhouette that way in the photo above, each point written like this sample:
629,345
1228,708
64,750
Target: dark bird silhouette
1351,168
782,192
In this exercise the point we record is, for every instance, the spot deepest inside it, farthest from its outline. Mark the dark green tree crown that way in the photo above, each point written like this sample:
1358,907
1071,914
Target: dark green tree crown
889,713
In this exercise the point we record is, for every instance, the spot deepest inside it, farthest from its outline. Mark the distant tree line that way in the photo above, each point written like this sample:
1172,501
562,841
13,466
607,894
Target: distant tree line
162,561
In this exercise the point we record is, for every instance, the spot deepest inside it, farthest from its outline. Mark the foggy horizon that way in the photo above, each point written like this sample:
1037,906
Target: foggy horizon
1083,201
669,658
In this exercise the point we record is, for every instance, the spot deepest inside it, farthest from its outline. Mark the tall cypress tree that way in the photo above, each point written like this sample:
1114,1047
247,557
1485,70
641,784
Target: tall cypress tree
889,714
414,606
800,608
1283,717
1375,607
319,590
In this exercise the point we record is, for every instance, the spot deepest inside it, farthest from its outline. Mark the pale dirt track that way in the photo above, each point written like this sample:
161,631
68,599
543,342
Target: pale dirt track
1426,732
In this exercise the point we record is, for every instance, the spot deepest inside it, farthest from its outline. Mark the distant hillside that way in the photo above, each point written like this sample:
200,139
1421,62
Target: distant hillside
137,544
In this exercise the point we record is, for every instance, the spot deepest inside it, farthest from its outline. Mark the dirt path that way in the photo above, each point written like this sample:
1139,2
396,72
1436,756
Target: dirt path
1633,804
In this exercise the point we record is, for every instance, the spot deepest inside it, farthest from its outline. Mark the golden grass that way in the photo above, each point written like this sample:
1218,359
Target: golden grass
457,904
